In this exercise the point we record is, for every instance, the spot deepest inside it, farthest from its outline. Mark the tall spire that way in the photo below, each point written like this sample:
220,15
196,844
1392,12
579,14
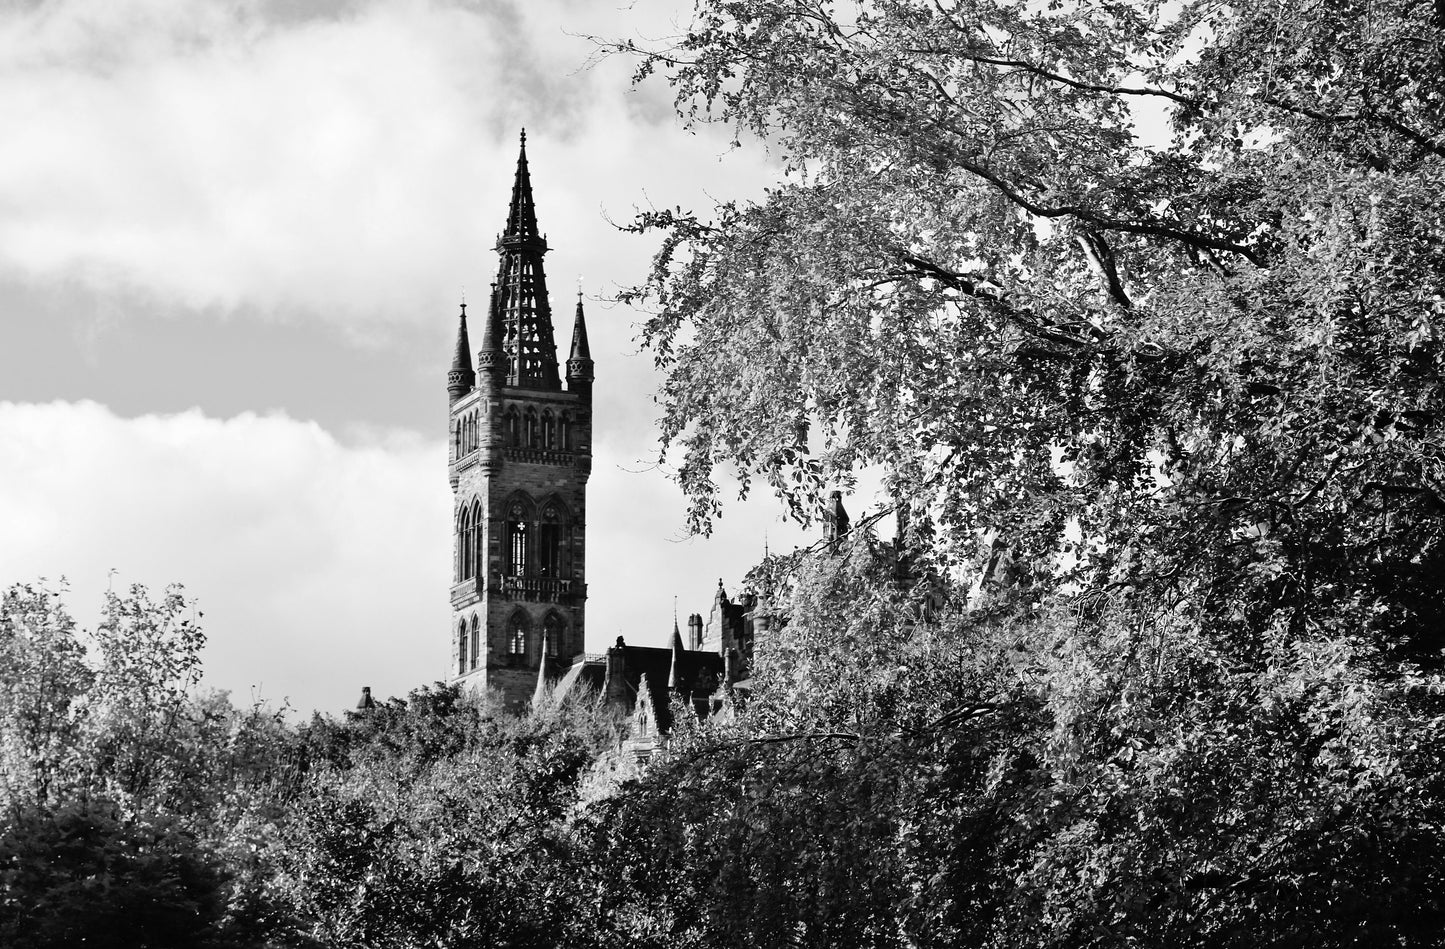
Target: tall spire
490,357
522,215
675,672
579,363
461,378
531,350
539,694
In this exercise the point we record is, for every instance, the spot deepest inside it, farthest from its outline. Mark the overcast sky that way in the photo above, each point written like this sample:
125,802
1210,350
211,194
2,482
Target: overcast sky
233,236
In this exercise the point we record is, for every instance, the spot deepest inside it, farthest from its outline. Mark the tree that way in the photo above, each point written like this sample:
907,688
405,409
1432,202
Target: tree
133,805
43,681
1159,411
1186,364
86,875
439,820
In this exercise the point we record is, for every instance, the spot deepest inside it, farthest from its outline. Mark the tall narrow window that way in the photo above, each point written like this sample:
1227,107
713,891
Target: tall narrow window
517,636
479,541
564,433
549,431
514,427
466,538
462,648
549,550
476,643
517,548
549,542
554,633
530,419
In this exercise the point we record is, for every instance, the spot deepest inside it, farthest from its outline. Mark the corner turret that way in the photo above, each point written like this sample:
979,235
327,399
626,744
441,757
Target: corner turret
579,363
461,378
491,360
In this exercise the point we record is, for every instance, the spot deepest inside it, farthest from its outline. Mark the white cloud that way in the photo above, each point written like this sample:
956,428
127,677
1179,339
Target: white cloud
352,167
229,158
320,567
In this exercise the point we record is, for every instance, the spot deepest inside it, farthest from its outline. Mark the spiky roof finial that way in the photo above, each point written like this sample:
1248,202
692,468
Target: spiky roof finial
579,363
530,352
461,378
522,215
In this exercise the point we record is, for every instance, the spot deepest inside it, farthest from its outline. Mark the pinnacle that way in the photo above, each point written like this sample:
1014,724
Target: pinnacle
522,215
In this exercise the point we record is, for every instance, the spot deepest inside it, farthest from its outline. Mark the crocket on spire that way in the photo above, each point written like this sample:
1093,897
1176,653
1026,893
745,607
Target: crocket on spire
529,344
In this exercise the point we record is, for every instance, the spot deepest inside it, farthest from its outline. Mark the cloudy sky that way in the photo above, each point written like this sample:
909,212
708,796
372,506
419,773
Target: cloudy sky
233,236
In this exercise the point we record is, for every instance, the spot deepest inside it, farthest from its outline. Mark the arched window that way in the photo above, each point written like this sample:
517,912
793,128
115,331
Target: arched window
457,439
479,541
518,536
564,433
554,631
462,648
476,643
517,635
517,548
549,431
549,542
465,545
514,427
532,435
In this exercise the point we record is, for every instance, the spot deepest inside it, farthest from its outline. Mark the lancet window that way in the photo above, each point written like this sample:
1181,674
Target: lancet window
517,635
533,435
466,545
554,630
549,542
514,427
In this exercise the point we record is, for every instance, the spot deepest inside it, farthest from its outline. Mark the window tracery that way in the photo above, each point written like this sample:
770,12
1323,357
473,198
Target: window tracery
476,643
554,630
517,635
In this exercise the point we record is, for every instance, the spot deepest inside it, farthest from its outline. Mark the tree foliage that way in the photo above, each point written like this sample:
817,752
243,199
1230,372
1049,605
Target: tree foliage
1200,365
1136,307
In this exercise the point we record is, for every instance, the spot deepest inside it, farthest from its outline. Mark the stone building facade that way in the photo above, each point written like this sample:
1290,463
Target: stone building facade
520,457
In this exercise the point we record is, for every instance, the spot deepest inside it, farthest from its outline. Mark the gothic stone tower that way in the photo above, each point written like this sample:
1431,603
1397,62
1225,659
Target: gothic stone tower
521,451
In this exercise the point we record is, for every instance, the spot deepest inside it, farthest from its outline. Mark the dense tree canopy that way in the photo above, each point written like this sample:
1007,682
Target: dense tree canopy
1145,294
1136,307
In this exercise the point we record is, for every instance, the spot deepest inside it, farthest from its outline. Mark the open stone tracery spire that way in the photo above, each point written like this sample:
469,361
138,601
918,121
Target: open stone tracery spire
531,350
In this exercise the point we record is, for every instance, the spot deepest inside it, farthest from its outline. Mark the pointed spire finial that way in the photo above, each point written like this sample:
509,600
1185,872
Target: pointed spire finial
530,347
579,363
539,694
461,378
522,215
675,673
